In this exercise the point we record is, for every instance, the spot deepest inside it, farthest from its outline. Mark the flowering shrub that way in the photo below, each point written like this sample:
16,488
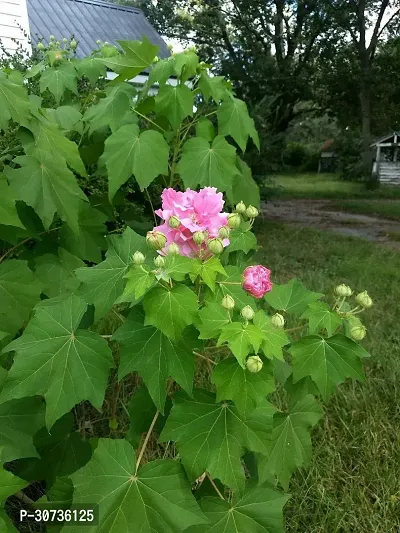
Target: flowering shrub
139,383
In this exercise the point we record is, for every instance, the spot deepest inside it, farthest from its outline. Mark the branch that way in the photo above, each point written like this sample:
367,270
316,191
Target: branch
374,39
396,14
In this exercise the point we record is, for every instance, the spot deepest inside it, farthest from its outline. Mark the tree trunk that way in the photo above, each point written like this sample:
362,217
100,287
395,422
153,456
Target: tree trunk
365,107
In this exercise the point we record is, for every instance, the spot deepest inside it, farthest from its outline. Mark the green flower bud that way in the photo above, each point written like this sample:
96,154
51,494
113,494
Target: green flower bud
228,302
52,38
65,40
159,261
73,44
215,246
234,220
40,46
343,291
106,43
156,59
173,249
277,320
198,237
98,42
174,222
138,258
58,44
247,313
364,300
254,364
252,212
223,232
241,208
156,240
358,332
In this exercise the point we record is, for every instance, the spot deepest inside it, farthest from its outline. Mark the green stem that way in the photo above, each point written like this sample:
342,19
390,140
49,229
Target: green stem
148,120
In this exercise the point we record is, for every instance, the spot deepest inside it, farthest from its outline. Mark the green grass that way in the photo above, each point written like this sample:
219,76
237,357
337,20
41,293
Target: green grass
324,186
352,485
377,208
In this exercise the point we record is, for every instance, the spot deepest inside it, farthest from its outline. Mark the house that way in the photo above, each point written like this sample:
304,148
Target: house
329,157
386,166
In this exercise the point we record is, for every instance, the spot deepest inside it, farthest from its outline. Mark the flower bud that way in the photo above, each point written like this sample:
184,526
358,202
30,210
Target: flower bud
254,364
159,261
58,44
247,313
215,246
198,237
52,38
252,212
138,258
98,42
40,46
234,220
228,302
173,249
277,320
223,232
156,240
73,44
65,40
174,222
343,290
364,300
358,332
240,208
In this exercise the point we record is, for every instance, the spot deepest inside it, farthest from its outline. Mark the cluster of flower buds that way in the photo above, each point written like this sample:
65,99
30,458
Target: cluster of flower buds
250,211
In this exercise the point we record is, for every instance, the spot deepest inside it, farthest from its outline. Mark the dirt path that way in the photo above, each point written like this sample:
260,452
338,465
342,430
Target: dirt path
317,214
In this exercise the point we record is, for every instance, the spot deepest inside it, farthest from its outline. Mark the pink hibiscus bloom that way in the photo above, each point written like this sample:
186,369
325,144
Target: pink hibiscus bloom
256,280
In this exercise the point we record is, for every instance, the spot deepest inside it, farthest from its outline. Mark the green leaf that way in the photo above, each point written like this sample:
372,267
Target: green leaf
9,484
205,129
212,437
320,316
234,120
213,318
35,70
20,420
247,389
244,188
156,499
128,152
144,349
14,102
328,361
213,87
291,441
205,165
47,185
175,103
139,280
292,297
176,267
228,286
170,310
66,117
274,338
56,272
19,293
58,79
185,65
242,239
258,510
161,71
57,360
208,271
242,339
103,284
8,211
137,57
91,68
111,110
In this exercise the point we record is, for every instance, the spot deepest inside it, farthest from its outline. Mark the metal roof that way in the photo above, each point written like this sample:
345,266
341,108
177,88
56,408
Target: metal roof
88,21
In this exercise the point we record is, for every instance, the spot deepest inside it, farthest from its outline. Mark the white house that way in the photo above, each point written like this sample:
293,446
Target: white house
13,23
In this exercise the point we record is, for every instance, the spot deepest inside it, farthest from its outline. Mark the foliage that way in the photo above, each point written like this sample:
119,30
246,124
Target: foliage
77,328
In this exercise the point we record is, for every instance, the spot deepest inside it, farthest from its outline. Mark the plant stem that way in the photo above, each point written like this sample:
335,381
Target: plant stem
152,207
23,242
146,441
229,282
115,399
294,329
204,357
215,487
148,120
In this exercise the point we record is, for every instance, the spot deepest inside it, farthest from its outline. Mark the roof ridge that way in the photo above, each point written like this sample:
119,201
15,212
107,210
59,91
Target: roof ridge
111,5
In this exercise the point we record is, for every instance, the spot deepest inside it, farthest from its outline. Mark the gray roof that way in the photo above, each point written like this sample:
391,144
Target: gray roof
88,21
386,138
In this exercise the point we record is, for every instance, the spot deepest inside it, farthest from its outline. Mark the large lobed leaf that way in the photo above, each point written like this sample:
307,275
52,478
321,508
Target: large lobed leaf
291,297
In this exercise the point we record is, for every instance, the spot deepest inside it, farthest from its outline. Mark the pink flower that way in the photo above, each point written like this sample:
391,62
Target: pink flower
197,211
256,280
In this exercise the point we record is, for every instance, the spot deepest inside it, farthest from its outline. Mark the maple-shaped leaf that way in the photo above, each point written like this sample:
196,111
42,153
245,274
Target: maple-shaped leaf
256,510
208,271
47,185
57,360
208,165
103,284
242,239
244,187
91,68
161,71
242,339
215,87
234,120
110,111
175,103
232,285
246,389
213,318
138,56
58,79
67,117
144,349
156,499
9,484
290,446
170,310
14,102
185,64
20,420
291,297
131,153
327,361
56,272
205,129
274,338
176,267
138,282
320,316
19,293
212,437
8,211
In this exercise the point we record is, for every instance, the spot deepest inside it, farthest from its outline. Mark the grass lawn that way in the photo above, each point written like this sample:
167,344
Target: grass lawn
324,186
378,208
352,485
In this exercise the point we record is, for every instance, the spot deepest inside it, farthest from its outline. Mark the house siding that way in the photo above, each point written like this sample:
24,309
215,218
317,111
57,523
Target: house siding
13,17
